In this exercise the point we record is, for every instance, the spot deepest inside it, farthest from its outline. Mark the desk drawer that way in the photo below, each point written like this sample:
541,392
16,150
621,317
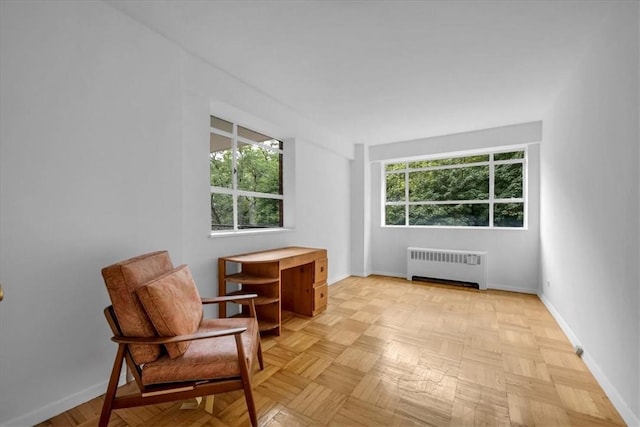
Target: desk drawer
320,297
320,274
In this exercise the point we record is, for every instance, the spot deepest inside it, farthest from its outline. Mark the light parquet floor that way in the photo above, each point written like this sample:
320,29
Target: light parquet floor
388,352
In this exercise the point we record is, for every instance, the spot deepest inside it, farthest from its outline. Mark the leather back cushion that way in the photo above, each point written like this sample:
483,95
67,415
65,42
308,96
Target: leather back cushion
173,303
122,279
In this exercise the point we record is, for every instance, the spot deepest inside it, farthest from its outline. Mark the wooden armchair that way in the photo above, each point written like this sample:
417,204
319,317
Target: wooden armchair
173,353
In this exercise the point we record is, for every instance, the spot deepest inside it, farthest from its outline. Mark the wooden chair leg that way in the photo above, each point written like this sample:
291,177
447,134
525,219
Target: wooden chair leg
251,406
260,361
112,388
246,382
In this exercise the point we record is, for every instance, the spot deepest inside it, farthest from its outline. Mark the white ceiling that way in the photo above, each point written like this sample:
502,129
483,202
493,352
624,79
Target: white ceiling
384,71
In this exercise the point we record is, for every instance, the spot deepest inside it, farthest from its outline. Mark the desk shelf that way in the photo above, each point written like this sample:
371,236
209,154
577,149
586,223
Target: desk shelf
250,279
263,325
260,300
260,281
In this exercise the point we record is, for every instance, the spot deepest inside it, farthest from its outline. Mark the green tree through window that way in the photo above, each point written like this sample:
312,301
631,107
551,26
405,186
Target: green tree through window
245,177
468,191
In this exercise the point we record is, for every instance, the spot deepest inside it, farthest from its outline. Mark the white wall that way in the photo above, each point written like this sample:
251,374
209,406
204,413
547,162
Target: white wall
512,254
360,212
103,155
590,210
90,131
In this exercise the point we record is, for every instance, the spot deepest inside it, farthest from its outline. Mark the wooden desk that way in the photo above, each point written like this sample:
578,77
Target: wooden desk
292,278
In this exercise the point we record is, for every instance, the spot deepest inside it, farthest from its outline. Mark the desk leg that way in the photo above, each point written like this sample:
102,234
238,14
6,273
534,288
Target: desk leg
222,287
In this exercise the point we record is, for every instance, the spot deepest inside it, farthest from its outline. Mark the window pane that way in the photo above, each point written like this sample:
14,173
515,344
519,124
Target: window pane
508,181
223,125
395,187
258,169
510,155
450,161
221,211
508,215
465,183
394,215
470,215
220,161
258,212
395,167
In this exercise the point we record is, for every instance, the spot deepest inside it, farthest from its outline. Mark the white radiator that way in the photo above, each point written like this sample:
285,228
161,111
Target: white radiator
444,264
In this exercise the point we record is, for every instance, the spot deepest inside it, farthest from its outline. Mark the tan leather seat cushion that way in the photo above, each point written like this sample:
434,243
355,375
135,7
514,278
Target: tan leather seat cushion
210,358
173,304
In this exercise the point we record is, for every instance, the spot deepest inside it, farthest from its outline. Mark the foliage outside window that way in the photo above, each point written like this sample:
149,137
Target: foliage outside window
246,178
484,190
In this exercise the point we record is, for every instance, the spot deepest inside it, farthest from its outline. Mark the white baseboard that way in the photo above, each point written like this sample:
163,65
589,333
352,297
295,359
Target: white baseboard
386,273
335,280
612,393
489,286
563,325
500,287
54,408
359,274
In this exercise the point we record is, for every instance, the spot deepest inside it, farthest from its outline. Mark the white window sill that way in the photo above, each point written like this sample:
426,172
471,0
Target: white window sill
452,227
217,234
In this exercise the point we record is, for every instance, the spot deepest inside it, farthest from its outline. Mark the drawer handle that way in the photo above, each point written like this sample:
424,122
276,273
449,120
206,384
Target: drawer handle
321,269
321,295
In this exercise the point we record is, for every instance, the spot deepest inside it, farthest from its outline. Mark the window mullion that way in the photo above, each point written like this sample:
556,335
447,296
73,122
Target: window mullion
491,188
234,174
261,195
525,187
406,194
449,202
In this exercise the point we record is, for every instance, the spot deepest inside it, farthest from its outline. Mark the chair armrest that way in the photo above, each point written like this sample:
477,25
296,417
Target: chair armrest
166,340
231,298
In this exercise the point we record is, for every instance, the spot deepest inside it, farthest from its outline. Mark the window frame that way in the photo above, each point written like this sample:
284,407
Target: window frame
491,200
235,192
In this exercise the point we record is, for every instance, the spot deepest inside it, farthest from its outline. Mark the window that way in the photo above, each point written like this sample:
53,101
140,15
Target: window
481,190
246,178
